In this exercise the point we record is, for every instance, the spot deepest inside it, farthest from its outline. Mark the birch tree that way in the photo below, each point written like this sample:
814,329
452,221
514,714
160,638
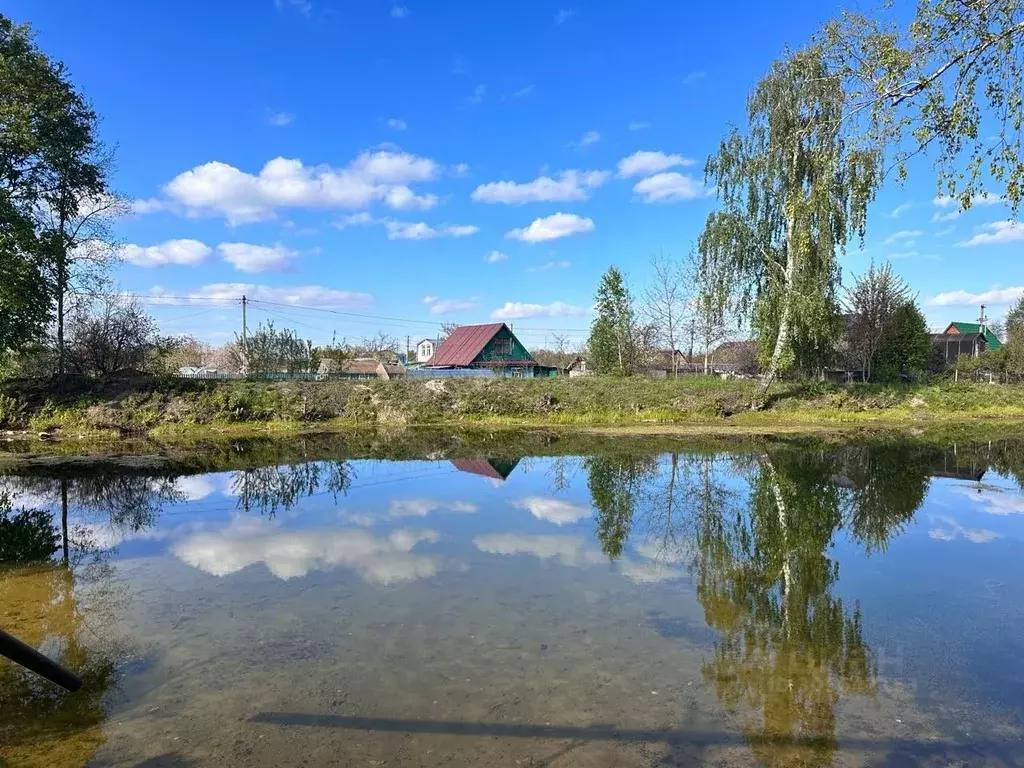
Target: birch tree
948,83
793,191
665,302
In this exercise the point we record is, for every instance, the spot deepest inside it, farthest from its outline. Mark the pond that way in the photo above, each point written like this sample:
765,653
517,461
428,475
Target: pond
768,602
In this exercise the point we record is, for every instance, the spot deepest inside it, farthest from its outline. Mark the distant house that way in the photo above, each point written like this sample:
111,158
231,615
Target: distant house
577,367
426,349
497,470
963,339
492,346
666,362
360,368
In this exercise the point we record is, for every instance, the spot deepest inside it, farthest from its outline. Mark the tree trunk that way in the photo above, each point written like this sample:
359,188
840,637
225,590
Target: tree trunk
62,285
782,340
787,568
64,519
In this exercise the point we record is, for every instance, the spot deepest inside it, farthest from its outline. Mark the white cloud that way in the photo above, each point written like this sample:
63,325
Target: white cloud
256,258
182,252
220,189
899,210
564,14
589,138
478,94
280,119
401,198
996,233
955,531
568,550
646,163
460,230
419,230
547,267
303,295
524,91
903,254
638,125
399,11
516,310
423,507
461,169
397,123
993,297
945,231
294,554
495,256
693,77
142,206
429,299
195,487
553,510
552,227
669,188
995,501
447,306
938,218
903,234
361,219
570,185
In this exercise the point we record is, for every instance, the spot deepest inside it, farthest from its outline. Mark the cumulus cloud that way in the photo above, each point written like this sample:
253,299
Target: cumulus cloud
195,487
646,163
552,227
181,252
638,125
899,210
570,185
589,138
397,123
995,501
495,256
669,188
992,297
423,507
985,198
996,233
516,310
256,258
952,530
219,189
551,510
142,206
294,554
303,295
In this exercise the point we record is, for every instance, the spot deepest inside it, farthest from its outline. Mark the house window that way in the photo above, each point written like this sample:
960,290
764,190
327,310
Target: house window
502,346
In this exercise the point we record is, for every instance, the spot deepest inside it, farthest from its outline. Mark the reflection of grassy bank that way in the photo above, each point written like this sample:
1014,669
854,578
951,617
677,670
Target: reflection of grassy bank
178,410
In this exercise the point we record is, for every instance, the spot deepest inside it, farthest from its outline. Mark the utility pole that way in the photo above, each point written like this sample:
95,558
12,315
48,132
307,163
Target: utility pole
693,324
408,348
245,340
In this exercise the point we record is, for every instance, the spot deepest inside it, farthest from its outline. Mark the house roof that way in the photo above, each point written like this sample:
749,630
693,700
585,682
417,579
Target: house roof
363,367
495,469
465,343
990,338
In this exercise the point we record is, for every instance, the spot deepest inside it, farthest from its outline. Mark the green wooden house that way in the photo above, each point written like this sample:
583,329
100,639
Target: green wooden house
492,346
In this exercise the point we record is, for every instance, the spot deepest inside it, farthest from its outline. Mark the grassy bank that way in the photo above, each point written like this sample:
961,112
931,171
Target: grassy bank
177,409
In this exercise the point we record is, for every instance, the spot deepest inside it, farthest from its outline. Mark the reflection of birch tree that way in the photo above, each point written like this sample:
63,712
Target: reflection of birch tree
268,489
618,485
788,646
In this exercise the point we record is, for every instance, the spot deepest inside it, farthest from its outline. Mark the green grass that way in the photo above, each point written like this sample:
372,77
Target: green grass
173,408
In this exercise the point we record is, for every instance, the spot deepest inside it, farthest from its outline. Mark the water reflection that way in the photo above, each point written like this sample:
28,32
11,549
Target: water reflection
758,533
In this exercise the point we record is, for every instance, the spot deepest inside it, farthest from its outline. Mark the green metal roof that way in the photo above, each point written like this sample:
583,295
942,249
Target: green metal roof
990,338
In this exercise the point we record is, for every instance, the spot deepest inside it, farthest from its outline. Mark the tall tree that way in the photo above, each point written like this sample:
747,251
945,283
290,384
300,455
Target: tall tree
871,303
793,191
665,303
54,196
945,82
710,304
612,332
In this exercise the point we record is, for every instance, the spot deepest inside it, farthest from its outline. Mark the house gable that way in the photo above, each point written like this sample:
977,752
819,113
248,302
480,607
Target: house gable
503,347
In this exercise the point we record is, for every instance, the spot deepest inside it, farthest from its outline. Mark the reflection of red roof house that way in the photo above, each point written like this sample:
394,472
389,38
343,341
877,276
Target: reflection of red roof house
495,469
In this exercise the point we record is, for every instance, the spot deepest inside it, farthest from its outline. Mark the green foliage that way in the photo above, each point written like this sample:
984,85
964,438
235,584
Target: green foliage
945,82
13,411
793,190
906,347
611,334
270,350
26,535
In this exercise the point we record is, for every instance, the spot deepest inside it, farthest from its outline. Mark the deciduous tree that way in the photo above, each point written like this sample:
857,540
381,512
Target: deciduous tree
793,190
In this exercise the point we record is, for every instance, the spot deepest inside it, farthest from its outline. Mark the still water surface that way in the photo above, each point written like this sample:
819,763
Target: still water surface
774,604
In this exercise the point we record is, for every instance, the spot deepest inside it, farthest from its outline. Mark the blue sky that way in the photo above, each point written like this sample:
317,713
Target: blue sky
363,156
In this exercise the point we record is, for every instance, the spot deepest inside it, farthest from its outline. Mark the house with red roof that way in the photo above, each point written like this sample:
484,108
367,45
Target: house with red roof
492,346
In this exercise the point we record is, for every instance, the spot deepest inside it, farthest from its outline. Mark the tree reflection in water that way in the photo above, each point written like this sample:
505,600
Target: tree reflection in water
45,603
268,489
758,530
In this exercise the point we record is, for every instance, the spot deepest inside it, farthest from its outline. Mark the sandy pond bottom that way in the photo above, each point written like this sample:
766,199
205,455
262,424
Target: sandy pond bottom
599,611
